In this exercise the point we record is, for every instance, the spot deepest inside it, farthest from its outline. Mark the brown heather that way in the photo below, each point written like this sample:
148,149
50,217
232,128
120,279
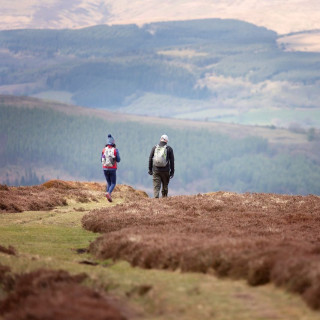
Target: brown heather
260,237
56,193
44,197
10,250
49,294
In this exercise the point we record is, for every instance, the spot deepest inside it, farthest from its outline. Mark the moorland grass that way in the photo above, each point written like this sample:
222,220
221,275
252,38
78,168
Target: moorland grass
49,239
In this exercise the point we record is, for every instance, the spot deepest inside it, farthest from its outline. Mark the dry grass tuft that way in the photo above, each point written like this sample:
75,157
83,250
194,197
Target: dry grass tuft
3,271
4,187
47,196
56,193
6,278
59,184
10,250
48,294
259,237
127,193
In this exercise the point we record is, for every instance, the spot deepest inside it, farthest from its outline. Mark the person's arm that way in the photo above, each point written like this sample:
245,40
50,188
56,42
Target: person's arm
102,156
171,159
151,159
117,155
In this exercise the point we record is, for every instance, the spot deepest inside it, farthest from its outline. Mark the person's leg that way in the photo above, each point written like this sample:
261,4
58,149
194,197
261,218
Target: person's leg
165,178
113,180
156,184
107,176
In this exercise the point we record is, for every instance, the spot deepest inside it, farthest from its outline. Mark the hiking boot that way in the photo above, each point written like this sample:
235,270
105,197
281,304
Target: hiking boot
108,197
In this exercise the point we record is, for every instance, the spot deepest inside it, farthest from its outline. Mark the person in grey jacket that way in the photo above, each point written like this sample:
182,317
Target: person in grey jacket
161,170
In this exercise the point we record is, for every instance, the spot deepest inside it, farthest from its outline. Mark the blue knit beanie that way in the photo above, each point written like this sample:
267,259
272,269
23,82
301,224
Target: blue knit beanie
110,139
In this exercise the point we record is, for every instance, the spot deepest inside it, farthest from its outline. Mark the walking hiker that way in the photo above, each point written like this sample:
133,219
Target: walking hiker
109,158
161,166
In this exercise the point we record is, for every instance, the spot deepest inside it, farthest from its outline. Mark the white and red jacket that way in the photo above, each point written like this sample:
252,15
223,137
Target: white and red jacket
116,154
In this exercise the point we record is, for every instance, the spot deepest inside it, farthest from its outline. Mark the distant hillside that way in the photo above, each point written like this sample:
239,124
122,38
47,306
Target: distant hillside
281,16
308,41
213,70
41,141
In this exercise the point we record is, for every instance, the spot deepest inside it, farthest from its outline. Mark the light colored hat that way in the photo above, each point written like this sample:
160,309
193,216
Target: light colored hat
164,138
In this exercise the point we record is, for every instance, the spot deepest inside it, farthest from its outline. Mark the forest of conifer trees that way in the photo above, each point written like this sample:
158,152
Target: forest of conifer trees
205,161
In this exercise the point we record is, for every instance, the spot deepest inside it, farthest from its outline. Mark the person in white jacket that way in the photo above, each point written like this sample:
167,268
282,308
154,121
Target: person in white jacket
110,157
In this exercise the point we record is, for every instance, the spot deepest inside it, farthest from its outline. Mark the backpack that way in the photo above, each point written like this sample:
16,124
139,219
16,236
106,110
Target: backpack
108,158
160,156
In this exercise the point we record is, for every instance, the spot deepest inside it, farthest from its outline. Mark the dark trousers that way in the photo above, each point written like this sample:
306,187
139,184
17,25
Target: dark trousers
111,177
160,178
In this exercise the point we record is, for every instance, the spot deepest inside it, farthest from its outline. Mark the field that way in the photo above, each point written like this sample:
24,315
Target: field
219,255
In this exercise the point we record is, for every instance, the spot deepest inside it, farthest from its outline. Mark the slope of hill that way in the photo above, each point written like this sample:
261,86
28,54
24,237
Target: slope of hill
214,70
46,257
301,41
284,17
41,141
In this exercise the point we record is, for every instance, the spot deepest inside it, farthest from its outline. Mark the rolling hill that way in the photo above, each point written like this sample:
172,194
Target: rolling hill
211,69
283,17
43,140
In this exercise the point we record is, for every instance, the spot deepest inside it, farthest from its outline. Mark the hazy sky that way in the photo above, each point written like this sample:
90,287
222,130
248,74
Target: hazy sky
283,16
